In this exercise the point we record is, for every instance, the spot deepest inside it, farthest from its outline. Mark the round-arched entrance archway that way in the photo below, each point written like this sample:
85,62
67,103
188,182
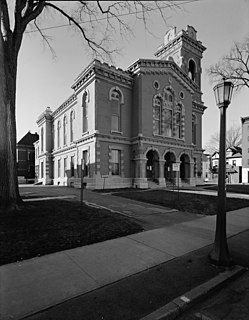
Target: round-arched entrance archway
152,165
169,174
184,167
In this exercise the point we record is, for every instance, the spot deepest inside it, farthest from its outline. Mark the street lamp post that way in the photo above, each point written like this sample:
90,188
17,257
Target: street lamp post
220,253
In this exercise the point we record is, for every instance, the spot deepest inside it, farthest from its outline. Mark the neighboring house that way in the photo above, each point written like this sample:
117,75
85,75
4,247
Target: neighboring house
206,167
234,156
129,128
233,165
215,162
245,149
26,158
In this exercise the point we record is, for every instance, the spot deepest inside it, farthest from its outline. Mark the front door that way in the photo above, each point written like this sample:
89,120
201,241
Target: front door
152,165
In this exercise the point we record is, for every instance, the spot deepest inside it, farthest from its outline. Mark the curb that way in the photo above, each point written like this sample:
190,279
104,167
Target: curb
182,303
48,198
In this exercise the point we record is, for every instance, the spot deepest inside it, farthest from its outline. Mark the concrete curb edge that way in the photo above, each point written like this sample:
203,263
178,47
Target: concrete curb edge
180,304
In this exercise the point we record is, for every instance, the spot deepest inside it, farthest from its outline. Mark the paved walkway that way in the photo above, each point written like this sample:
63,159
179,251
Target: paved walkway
214,193
149,216
36,284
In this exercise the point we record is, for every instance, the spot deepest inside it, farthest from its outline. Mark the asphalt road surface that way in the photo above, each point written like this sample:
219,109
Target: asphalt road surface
230,303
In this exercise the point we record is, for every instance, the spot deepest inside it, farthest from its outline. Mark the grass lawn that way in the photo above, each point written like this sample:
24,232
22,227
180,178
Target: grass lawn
44,227
190,202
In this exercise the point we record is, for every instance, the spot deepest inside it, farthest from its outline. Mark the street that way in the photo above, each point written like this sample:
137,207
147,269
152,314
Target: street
230,303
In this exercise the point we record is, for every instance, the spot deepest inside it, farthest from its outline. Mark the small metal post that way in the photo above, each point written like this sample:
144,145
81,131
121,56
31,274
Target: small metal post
178,174
82,181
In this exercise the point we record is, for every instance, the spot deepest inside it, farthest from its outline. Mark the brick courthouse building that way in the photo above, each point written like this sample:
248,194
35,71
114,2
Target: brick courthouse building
130,126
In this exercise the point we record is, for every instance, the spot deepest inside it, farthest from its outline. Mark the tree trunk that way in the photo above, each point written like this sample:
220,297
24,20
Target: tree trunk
9,192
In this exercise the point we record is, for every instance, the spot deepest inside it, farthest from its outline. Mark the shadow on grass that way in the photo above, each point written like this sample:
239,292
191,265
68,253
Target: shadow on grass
189,202
45,227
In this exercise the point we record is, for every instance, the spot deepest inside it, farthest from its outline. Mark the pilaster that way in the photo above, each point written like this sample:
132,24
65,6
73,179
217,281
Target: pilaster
161,179
140,180
191,174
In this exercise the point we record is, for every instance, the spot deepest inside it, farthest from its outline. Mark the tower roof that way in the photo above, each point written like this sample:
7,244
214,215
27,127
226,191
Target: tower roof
172,37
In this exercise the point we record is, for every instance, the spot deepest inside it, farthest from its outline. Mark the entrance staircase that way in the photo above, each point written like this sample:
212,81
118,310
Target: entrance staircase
152,184
171,184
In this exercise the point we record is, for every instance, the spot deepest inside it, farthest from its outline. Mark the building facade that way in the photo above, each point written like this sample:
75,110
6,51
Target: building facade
25,153
233,165
245,149
206,167
129,128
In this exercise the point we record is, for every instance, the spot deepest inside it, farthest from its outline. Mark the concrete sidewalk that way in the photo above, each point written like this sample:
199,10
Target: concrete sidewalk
214,193
36,284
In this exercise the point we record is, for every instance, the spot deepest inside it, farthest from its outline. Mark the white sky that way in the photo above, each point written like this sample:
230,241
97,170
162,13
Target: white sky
44,81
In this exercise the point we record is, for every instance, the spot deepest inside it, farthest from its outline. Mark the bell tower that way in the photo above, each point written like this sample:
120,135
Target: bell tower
185,50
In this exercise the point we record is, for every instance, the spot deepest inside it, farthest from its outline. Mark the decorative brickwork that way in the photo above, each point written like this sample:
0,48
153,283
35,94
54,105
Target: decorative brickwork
129,120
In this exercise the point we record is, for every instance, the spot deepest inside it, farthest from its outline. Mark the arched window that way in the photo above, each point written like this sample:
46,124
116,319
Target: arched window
64,130
71,125
157,115
58,133
85,99
115,109
191,70
42,139
193,128
168,114
178,122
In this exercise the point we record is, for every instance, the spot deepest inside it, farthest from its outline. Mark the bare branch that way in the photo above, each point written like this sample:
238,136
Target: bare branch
29,7
115,15
20,5
233,139
234,66
46,39
33,11
4,18
91,43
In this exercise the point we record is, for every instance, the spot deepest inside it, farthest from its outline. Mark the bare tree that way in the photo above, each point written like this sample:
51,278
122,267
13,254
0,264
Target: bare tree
89,18
233,139
233,66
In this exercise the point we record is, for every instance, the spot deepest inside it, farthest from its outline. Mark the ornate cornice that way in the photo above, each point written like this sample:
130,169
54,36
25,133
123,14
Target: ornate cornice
113,138
63,149
166,142
199,106
86,138
65,104
181,36
155,66
97,68
45,116
198,150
